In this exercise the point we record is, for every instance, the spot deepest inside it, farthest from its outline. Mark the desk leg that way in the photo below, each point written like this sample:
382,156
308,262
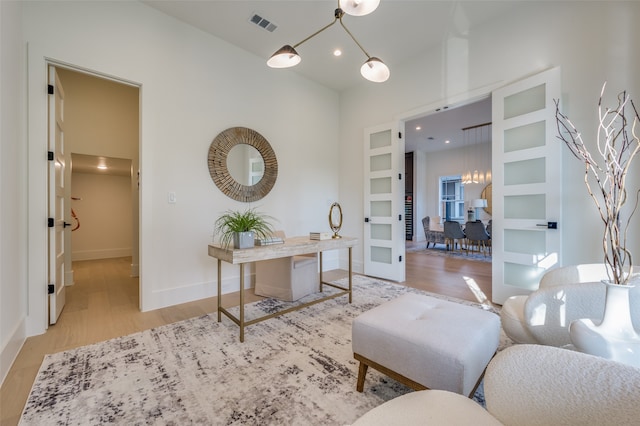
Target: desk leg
350,275
241,302
219,290
321,279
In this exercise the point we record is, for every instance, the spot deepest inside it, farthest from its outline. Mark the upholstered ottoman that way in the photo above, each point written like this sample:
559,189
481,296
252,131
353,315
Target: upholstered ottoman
426,343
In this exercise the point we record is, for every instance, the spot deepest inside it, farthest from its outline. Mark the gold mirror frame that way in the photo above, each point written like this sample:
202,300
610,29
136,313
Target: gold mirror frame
335,227
486,194
217,160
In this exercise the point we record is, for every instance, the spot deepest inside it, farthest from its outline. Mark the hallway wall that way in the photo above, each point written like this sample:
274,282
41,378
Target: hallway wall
104,212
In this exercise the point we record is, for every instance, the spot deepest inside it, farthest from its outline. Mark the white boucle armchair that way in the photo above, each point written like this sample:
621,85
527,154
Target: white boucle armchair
565,294
528,385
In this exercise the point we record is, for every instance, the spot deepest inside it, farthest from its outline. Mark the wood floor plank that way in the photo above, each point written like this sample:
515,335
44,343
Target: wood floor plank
103,304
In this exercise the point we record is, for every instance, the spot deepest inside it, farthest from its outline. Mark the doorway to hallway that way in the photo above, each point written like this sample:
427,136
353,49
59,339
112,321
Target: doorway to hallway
102,155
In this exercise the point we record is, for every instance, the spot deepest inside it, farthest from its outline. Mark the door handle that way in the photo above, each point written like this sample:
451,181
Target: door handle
65,224
549,225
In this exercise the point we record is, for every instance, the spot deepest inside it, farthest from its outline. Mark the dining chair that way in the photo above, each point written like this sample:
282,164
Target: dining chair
453,233
477,236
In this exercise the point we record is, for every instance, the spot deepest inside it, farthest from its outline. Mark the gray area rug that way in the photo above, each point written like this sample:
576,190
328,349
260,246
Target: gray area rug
297,369
441,250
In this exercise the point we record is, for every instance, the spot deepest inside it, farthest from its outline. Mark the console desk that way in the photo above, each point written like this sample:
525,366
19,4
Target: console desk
291,247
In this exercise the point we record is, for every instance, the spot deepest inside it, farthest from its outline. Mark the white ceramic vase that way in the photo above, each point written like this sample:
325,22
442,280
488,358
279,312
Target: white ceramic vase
614,338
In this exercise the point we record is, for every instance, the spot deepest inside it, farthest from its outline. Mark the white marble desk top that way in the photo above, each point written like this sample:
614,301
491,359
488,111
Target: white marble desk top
292,246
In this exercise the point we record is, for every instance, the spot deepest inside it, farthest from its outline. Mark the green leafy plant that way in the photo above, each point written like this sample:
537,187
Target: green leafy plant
233,221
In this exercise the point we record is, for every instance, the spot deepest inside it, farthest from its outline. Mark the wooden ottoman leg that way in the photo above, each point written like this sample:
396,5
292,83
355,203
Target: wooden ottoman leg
362,372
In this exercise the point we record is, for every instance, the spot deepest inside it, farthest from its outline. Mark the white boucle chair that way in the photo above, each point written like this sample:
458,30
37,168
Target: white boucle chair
425,342
565,294
528,385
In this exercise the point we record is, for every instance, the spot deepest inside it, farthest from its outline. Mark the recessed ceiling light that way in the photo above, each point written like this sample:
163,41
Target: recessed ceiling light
337,52
447,141
418,128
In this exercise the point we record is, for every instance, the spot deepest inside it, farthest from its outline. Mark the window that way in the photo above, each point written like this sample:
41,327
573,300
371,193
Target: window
452,198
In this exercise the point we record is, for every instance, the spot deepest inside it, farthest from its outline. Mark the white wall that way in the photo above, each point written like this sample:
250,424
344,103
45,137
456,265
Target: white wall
590,41
192,87
104,212
13,187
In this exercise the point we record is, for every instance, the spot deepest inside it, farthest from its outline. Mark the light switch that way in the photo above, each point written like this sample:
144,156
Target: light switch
172,198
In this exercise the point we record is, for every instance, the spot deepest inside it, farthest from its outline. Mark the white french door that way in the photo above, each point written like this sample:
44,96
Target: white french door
384,227
526,184
57,226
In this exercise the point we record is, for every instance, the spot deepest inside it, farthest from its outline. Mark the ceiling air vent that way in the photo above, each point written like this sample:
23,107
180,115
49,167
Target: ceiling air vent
263,23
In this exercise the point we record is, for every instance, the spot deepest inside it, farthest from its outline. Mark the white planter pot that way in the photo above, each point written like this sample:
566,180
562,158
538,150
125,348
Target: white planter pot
614,338
242,240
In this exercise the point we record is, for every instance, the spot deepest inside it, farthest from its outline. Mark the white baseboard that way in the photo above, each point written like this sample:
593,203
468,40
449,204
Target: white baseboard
189,293
135,270
11,349
101,254
68,278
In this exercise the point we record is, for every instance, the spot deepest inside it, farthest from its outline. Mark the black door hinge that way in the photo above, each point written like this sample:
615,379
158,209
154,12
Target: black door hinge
400,217
399,258
50,222
51,288
399,135
399,176
50,155
50,89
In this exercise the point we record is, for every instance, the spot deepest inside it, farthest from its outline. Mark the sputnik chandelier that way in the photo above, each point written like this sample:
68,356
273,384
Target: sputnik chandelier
373,69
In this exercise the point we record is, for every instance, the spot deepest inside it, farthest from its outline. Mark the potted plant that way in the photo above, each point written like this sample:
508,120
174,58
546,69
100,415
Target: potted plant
618,144
242,228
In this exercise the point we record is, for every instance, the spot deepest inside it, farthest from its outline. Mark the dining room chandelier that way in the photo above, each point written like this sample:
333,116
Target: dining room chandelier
373,69
473,173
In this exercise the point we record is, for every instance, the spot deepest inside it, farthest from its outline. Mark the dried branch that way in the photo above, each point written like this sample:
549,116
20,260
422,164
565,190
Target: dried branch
617,151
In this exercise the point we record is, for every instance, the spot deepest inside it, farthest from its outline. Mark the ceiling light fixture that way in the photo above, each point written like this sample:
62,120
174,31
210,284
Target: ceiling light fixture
373,69
472,156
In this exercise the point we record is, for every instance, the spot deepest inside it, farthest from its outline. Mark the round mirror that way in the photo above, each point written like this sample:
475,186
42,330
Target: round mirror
335,219
242,164
486,194
245,164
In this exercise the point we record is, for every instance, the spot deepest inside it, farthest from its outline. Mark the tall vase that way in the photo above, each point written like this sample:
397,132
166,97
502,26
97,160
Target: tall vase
614,338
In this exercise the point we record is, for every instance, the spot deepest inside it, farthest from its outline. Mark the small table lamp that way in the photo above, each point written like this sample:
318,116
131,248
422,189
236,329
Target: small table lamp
478,203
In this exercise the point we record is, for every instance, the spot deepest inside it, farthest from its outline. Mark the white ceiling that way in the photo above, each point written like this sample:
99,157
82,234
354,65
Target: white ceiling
446,125
97,164
395,32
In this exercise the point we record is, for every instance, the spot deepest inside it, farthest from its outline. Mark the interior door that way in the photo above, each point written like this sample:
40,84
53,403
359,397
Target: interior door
526,184
384,228
57,224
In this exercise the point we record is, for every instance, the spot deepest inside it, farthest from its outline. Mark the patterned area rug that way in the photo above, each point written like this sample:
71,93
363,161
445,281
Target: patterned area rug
296,369
441,250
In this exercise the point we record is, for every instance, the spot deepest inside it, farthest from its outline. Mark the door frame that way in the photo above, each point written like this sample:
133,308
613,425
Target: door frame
37,319
450,102
461,100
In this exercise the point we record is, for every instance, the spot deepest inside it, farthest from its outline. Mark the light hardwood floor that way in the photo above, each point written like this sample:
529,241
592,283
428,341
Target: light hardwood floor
103,304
